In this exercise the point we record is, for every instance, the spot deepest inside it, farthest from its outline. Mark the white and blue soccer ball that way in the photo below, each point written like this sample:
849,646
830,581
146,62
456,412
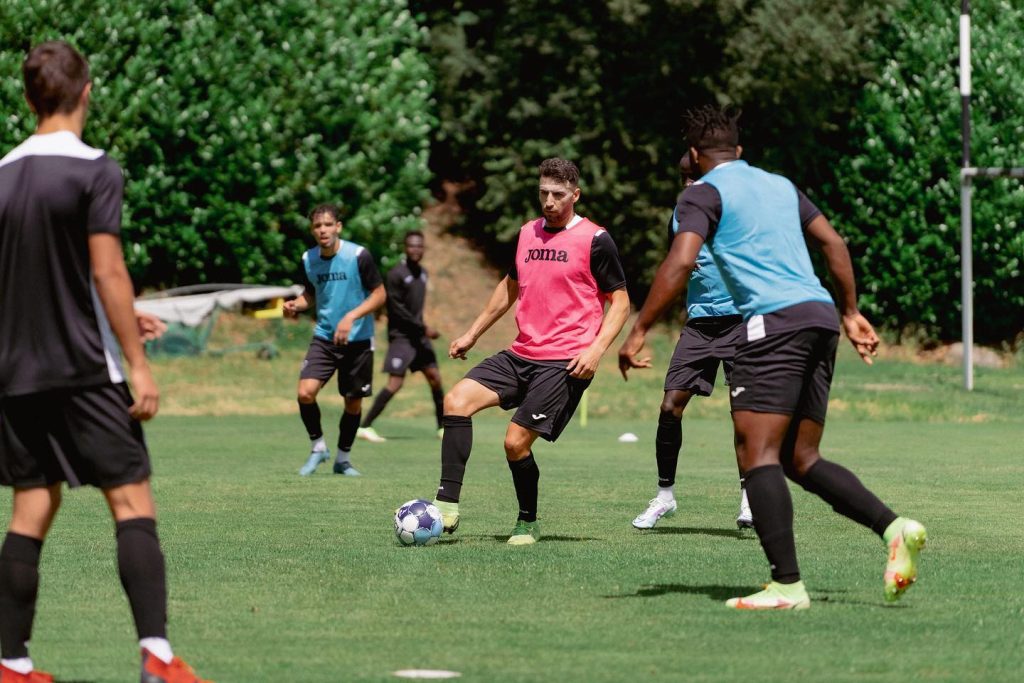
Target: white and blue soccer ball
418,522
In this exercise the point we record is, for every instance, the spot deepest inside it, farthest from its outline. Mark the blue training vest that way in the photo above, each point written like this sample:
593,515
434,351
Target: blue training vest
706,295
759,243
339,288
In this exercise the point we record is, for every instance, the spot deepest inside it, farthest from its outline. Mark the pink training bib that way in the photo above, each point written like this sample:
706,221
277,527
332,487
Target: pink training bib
560,306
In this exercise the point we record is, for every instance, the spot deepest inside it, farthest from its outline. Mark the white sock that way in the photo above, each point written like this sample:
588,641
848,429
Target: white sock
159,648
342,457
743,498
22,665
666,494
320,444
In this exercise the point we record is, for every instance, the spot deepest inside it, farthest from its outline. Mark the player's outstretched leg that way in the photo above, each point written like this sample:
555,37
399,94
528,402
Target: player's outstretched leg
347,426
309,411
525,476
667,443
905,538
456,445
19,585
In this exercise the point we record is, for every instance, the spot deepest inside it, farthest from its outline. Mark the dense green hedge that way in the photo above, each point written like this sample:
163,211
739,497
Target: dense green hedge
232,118
898,198
605,83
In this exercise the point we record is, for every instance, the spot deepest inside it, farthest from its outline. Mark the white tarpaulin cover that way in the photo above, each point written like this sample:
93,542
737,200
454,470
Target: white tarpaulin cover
193,309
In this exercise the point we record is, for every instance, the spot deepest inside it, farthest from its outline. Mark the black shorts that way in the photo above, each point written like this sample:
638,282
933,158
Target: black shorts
704,343
408,355
81,436
543,391
788,373
353,361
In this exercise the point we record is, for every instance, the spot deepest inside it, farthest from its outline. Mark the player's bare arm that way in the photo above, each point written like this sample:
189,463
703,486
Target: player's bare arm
837,258
670,282
301,303
504,295
585,364
150,326
114,288
371,303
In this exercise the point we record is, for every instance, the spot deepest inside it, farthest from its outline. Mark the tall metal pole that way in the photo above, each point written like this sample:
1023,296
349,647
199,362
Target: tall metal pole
966,255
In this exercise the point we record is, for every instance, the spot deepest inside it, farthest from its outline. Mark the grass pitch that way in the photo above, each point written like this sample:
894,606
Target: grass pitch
278,578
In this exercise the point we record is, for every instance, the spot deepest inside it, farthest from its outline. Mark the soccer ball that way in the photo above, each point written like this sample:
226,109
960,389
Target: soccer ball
418,522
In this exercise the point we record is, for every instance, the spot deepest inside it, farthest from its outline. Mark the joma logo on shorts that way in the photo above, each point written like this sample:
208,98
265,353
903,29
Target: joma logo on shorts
559,255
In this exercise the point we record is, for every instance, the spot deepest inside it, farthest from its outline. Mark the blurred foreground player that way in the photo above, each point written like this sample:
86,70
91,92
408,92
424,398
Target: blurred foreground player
566,268
66,414
756,224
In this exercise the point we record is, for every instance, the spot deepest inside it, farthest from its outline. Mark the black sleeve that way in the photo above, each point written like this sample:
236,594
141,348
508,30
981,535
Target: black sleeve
105,199
808,211
368,272
303,278
605,265
699,210
513,272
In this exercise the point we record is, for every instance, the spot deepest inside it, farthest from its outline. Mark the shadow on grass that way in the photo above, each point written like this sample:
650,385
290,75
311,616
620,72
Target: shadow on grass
690,530
722,593
545,538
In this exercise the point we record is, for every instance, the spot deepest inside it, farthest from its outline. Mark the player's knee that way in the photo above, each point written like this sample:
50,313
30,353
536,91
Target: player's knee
802,461
455,403
516,447
306,396
674,402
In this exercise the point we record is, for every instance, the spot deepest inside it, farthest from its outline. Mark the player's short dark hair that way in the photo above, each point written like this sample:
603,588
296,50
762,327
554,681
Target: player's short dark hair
55,76
711,128
413,233
560,169
325,208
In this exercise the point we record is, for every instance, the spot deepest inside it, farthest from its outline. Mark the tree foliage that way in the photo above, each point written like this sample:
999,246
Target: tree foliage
899,196
604,83
232,118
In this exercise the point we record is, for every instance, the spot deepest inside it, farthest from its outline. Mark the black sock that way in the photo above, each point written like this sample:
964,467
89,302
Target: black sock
379,403
141,565
310,414
840,488
666,447
19,585
347,426
438,396
456,445
525,475
772,509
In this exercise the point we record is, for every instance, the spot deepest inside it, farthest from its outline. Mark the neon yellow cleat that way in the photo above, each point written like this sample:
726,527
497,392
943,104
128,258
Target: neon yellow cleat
905,538
774,596
449,515
369,434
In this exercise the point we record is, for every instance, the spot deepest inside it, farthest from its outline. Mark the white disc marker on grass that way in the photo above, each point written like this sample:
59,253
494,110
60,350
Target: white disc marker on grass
426,673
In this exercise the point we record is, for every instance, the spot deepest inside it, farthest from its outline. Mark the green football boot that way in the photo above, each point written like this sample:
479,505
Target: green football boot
905,538
449,515
774,596
525,533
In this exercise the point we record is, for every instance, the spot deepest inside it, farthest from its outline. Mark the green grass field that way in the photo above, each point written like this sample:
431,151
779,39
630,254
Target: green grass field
278,578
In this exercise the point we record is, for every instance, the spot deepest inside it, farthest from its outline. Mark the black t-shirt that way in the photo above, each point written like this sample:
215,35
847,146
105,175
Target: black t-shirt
605,265
406,284
55,191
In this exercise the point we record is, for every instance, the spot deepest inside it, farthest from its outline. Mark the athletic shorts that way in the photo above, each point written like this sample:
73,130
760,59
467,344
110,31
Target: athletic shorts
704,343
542,391
407,355
788,373
79,435
353,361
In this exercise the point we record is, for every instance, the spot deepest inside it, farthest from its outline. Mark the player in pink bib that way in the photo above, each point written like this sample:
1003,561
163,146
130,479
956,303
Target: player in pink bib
566,269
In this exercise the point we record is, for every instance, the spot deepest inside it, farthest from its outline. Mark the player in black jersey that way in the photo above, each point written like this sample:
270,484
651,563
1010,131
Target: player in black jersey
409,347
66,414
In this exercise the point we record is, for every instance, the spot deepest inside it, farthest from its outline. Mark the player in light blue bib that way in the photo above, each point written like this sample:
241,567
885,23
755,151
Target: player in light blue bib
344,288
